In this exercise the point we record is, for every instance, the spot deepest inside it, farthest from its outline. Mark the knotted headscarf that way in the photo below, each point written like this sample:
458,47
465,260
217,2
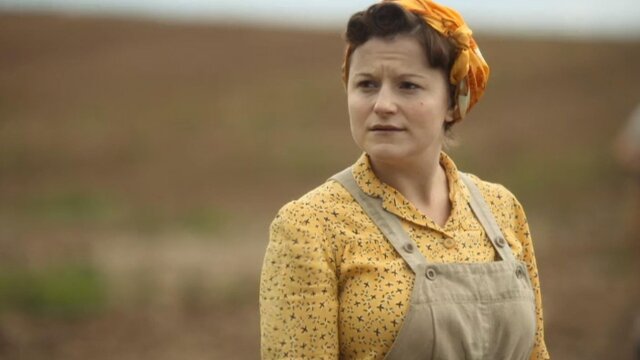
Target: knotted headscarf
470,72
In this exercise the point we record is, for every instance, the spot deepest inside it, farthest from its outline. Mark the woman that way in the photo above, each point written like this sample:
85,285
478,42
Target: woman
401,256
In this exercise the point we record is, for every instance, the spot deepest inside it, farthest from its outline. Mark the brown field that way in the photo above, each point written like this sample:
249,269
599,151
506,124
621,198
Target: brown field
141,163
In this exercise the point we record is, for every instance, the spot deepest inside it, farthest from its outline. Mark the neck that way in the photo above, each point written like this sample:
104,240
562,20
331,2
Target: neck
423,183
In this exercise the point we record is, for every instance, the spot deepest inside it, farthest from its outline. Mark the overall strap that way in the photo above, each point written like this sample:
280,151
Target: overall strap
388,223
485,216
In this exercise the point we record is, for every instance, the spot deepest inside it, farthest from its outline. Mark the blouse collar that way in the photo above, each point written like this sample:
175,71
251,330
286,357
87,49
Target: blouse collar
394,202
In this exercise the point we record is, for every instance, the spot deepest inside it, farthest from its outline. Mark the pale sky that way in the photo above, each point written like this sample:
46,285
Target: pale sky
618,19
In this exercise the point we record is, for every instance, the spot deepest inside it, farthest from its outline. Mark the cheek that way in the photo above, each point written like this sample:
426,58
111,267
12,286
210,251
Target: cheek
357,109
356,122
355,116
432,106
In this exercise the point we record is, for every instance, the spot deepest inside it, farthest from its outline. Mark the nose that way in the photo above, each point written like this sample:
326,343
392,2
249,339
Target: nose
385,104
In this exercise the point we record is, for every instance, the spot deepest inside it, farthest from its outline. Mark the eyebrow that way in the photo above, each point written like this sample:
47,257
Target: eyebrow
402,75
411,75
364,74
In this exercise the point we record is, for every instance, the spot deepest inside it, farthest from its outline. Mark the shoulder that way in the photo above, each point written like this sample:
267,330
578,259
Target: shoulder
495,194
304,227
315,206
508,213
504,205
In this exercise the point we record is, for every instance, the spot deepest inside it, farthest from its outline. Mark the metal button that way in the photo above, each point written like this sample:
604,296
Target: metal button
408,247
449,243
520,272
500,242
430,273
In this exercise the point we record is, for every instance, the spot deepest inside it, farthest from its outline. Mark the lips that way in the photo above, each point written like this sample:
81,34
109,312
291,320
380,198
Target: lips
384,128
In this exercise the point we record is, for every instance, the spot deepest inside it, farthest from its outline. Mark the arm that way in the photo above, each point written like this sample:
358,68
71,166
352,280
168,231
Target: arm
627,144
298,288
521,229
627,153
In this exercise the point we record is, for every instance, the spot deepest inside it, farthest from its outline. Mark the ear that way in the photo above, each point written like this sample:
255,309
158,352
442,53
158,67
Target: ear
450,116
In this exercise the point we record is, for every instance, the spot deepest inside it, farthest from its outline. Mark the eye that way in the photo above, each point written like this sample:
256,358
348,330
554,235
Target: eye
407,85
366,84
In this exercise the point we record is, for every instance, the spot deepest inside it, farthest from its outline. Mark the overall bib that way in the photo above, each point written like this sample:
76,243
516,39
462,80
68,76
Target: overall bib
458,311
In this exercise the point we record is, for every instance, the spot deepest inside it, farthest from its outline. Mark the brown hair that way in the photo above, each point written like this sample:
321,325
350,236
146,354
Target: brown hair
385,20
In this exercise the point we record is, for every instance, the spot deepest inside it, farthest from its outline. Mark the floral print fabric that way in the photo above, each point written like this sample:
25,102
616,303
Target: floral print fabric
333,287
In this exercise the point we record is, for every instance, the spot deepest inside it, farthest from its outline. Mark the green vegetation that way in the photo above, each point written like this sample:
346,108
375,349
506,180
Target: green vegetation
196,220
203,220
61,291
72,207
92,209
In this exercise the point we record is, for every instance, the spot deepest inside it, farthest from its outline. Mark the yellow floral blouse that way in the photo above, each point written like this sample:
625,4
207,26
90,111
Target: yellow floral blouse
333,287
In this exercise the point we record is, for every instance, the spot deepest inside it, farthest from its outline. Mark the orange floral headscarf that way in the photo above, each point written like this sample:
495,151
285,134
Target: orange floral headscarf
470,72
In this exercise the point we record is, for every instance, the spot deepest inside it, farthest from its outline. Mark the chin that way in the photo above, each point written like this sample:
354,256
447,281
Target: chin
387,153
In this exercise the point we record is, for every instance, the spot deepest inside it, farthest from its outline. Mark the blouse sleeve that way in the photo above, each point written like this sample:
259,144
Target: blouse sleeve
298,288
521,228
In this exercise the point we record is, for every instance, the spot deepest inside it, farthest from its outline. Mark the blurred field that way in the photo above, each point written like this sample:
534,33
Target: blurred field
141,163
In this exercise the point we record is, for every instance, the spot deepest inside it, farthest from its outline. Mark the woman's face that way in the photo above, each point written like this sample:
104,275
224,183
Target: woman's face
397,103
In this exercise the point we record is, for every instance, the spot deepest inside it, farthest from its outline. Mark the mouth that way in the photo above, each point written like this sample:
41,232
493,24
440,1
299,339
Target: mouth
385,128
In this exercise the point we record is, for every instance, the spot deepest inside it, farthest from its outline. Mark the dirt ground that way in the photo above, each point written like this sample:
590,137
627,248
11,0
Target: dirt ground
158,153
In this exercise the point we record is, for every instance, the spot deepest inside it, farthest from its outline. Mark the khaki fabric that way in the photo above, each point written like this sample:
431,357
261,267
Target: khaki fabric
459,311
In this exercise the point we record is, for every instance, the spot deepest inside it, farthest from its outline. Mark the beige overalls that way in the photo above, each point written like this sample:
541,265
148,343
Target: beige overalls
459,311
